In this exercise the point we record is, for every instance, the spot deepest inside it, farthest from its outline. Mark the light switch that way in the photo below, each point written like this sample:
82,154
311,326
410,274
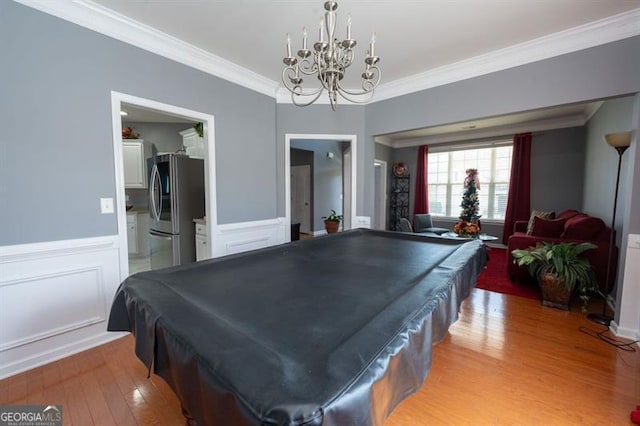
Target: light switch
106,205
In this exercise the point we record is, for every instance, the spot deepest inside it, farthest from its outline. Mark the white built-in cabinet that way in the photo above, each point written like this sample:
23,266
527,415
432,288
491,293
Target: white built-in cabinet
193,144
138,233
132,233
135,174
201,242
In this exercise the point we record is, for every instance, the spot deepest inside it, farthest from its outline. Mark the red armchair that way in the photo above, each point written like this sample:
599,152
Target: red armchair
569,226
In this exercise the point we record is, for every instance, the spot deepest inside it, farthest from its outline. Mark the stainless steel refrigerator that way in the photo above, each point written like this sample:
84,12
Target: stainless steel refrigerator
176,197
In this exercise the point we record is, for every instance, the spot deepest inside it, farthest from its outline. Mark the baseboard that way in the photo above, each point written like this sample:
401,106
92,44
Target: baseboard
56,299
626,333
54,354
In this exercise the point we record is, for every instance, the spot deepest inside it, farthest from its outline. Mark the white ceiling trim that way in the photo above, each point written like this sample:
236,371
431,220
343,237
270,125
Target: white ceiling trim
105,21
493,132
607,30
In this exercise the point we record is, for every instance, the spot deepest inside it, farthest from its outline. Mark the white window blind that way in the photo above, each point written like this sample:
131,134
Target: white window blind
446,177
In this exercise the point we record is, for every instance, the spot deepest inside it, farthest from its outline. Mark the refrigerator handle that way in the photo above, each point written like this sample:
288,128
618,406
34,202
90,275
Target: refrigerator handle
159,193
160,235
152,192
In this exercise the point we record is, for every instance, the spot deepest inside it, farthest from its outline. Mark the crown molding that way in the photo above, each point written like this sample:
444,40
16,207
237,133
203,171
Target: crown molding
120,27
384,140
494,132
591,109
607,30
107,22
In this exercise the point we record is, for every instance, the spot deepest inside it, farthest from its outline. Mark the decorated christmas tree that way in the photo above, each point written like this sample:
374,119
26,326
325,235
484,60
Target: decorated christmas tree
469,218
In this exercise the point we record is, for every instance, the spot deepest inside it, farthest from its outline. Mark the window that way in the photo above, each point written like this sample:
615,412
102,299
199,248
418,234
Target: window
447,173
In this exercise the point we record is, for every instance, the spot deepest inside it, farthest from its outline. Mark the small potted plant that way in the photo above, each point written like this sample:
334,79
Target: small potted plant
560,269
332,222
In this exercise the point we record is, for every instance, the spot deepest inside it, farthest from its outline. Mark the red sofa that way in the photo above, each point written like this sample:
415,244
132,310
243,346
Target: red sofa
568,226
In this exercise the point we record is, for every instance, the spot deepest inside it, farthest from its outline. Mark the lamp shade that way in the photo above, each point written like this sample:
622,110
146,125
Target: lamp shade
618,140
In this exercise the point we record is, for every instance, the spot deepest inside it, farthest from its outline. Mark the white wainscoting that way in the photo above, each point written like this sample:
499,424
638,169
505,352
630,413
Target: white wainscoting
55,299
244,236
628,324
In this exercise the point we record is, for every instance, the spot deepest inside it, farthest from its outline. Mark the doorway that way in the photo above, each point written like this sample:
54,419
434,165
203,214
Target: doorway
351,206
120,100
301,197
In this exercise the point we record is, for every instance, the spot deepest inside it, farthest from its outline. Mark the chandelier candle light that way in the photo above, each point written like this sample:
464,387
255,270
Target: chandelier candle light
328,62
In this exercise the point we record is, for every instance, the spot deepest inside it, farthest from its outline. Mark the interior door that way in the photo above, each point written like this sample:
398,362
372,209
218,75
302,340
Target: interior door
301,197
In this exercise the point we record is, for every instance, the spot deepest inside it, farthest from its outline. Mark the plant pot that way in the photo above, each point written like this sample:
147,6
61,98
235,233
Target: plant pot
554,292
331,226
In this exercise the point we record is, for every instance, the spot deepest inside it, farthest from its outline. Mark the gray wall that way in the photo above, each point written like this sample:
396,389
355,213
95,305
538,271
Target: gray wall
557,169
320,119
164,136
602,162
601,167
327,178
56,99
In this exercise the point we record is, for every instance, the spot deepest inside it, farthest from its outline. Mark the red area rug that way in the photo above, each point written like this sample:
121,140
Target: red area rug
495,278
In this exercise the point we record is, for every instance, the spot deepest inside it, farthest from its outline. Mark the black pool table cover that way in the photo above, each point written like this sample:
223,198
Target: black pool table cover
336,330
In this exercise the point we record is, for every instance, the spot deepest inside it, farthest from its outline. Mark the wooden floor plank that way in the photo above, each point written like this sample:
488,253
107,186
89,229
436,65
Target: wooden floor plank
77,411
507,361
115,352
106,381
13,389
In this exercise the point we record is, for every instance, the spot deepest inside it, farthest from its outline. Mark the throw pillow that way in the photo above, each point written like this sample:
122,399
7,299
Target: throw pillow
583,228
550,228
568,214
539,213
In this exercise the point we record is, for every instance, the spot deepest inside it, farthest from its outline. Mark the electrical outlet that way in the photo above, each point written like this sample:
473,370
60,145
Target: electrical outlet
106,205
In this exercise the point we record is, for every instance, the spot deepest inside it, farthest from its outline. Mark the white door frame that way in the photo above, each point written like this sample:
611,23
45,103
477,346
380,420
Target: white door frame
383,189
211,209
353,139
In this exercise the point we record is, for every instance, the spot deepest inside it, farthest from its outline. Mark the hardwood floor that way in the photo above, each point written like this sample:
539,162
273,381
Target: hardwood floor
507,360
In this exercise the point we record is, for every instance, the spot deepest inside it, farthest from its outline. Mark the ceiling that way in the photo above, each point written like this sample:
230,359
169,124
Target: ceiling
413,38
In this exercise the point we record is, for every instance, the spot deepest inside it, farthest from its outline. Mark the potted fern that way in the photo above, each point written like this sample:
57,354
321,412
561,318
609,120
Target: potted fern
560,269
332,222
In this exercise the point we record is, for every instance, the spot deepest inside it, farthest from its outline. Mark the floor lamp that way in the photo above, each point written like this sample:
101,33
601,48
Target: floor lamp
620,141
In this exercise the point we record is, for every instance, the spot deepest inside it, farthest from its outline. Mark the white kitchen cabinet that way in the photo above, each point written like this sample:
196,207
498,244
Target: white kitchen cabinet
142,222
201,242
132,232
193,143
135,170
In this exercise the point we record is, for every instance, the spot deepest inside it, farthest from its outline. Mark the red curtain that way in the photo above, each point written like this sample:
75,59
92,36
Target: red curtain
421,201
519,199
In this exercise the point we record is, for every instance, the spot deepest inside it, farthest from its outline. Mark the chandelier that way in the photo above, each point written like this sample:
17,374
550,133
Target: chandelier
328,61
